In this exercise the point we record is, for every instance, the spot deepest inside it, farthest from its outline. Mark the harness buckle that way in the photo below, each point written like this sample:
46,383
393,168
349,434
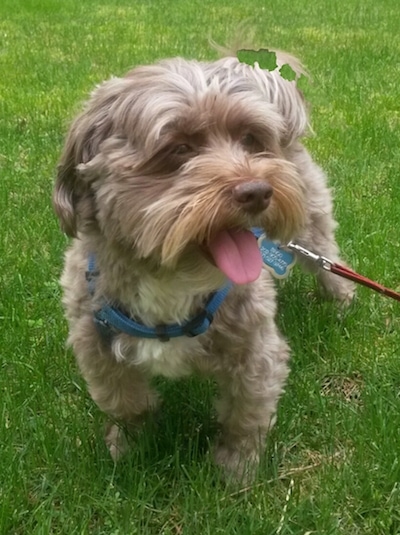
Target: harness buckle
104,328
198,324
161,333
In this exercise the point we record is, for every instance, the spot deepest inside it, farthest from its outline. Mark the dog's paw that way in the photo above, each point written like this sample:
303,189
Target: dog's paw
345,293
343,290
239,466
116,441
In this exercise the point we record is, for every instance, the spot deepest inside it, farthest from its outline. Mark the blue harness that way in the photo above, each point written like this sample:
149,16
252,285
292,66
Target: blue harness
111,320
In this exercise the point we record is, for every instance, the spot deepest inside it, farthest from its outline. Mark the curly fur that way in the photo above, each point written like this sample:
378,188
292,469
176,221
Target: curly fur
145,182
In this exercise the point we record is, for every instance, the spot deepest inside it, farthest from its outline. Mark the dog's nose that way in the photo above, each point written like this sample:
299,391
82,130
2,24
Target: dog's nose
253,196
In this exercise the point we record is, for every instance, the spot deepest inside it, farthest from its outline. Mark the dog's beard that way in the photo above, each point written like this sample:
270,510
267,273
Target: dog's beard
198,209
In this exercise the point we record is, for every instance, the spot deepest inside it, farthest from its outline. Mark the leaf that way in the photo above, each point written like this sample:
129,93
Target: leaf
265,58
287,73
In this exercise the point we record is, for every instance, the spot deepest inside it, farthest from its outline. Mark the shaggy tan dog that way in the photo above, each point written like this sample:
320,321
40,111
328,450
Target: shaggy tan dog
162,176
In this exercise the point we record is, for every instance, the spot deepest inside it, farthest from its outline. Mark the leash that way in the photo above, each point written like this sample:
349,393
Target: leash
343,271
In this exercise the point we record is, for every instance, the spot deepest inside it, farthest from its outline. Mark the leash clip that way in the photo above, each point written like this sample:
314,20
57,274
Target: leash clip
321,261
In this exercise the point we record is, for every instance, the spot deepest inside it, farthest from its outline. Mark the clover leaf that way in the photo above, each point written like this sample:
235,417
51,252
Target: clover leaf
266,60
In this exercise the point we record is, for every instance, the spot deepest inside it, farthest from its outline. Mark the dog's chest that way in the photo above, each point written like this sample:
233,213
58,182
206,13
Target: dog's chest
173,359
160,304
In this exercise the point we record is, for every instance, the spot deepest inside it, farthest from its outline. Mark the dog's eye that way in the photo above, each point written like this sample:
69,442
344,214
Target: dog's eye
174,156
250,143
248,140
183,150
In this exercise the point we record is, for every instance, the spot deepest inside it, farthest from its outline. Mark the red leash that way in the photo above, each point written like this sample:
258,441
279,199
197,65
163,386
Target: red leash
344,272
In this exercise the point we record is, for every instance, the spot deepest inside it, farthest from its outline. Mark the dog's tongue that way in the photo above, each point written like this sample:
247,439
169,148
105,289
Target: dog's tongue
236,254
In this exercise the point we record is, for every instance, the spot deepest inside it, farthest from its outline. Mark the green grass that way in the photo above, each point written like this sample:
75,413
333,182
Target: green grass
332,465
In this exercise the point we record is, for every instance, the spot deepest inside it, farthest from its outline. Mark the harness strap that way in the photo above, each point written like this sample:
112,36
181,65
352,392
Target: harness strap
110,320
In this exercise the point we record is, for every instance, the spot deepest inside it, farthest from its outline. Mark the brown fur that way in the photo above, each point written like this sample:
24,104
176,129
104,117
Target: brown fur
145,182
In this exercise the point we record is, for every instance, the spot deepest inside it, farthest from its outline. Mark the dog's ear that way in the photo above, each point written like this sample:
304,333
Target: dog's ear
72,194
289,98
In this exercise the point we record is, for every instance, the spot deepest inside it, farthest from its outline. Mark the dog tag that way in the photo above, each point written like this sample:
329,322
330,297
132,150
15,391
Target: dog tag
276,258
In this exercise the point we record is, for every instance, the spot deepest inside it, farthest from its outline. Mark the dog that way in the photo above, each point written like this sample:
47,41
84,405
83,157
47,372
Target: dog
162,177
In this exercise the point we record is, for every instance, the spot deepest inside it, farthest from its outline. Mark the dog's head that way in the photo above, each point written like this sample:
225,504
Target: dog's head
184,153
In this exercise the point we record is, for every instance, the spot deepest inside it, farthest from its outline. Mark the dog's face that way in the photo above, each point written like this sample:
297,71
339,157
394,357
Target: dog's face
183,155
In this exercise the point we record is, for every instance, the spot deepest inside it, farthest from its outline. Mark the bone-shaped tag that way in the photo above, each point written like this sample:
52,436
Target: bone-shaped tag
276,258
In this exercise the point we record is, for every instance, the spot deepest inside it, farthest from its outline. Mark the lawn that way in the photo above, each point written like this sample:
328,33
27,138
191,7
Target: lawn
332,464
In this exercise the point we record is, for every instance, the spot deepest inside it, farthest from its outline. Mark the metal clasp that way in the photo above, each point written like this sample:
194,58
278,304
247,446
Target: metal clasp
321,261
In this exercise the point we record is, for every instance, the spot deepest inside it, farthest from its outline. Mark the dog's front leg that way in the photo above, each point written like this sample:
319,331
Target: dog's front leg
119,389
249,394
124,394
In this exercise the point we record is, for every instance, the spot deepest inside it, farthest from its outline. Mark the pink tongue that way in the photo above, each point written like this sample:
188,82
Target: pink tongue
236,254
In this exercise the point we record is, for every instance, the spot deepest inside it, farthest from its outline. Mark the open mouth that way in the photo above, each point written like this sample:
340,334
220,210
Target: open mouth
236,253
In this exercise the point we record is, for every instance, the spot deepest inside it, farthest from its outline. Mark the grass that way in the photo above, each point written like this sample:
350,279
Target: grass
332,465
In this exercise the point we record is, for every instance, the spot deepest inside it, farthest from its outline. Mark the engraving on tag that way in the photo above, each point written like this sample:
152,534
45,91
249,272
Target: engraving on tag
278,260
